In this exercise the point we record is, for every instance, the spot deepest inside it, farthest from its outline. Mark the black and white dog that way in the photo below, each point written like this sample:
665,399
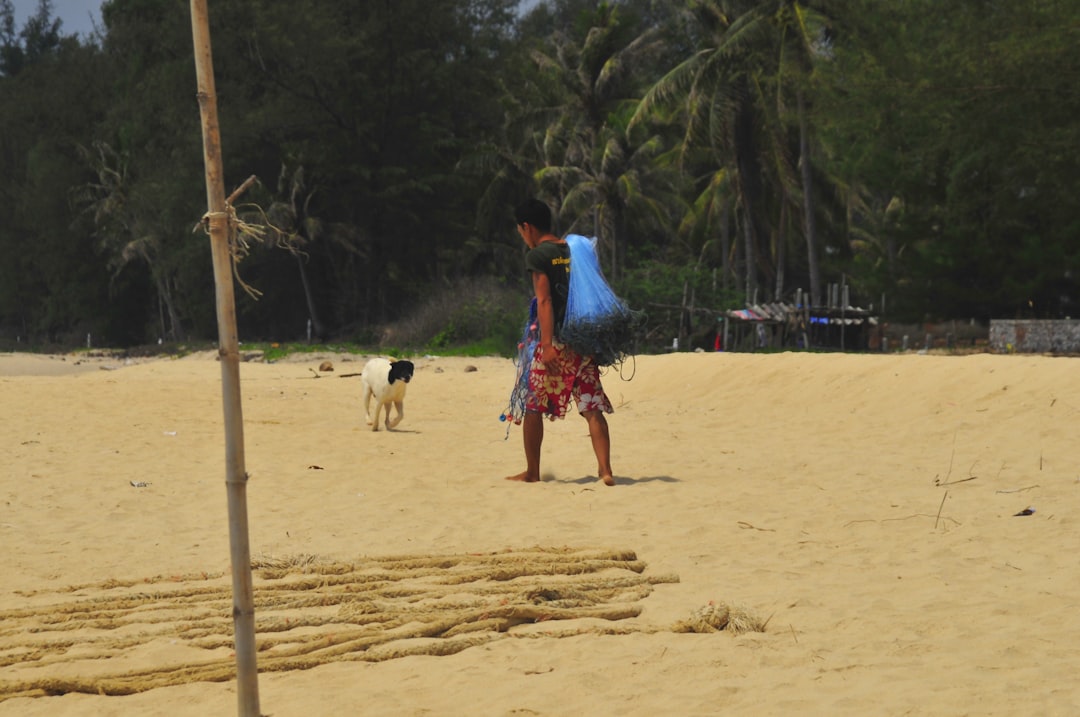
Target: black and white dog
385,381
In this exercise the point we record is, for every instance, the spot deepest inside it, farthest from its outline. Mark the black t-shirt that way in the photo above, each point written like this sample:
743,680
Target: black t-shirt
553,259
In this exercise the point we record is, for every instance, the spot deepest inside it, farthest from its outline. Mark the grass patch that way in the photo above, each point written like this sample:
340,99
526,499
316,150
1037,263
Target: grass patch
276,351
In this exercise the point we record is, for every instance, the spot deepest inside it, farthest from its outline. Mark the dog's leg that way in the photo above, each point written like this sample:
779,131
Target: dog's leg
400,406
378,412
367,403
384,408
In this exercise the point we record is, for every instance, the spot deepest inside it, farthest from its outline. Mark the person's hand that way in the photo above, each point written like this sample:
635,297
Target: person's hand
548,355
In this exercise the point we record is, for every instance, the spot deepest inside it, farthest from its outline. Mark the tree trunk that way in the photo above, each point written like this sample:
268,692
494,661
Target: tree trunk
808,205
751,255
175,330
739,269
316,324
781,250
725,246
684,311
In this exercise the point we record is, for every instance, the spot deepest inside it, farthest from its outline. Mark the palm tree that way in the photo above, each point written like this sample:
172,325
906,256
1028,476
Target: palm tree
737,92
709,215
621,191
130,228
290,226
590,166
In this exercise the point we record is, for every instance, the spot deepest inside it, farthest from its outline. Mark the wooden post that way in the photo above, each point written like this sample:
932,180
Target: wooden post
247,675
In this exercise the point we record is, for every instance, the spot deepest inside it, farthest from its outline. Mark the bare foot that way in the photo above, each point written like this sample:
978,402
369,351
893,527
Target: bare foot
608,480
523,478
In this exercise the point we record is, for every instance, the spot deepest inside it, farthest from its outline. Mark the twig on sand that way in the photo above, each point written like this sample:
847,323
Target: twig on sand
890,520
962,480
938,518
951,456
1018,490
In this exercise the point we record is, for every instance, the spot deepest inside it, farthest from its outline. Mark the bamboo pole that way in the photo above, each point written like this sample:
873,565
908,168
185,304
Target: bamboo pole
247,676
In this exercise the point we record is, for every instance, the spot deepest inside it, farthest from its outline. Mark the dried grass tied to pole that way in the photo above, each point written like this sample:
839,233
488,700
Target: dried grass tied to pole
240,234
253,226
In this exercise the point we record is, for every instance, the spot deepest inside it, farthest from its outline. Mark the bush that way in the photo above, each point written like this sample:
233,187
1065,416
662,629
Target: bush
474,316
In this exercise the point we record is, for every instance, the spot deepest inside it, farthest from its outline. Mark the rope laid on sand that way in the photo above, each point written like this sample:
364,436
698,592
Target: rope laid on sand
312,611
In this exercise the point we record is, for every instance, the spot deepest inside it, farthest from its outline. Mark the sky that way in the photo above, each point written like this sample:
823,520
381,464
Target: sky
75,15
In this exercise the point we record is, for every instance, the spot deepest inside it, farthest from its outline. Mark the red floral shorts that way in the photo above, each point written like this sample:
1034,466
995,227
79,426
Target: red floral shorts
570,378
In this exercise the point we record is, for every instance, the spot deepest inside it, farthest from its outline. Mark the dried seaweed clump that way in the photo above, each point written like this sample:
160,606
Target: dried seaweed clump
715,617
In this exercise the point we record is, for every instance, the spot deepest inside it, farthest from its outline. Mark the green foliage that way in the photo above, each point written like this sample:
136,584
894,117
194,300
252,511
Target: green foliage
951,118
931,145
677,300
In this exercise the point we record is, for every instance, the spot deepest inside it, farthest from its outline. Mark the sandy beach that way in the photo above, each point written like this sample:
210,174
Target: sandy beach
904,527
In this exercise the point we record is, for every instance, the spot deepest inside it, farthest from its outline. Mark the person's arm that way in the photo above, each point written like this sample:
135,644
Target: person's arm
545,315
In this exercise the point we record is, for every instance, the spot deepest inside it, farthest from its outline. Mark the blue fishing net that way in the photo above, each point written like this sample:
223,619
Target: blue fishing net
530,337
598,323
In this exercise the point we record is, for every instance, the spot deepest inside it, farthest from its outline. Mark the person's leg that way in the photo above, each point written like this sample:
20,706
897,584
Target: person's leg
601,443
532,433
592,404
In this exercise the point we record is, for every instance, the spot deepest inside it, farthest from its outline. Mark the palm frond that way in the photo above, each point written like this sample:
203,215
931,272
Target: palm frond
670,90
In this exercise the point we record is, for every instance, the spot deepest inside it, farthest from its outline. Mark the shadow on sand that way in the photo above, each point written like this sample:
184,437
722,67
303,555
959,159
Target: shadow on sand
619,480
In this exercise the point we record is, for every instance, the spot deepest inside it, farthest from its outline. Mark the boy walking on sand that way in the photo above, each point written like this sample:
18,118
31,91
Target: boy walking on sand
558,374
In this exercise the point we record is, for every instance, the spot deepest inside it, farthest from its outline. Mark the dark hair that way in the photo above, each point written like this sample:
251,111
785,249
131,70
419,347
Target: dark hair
534,212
